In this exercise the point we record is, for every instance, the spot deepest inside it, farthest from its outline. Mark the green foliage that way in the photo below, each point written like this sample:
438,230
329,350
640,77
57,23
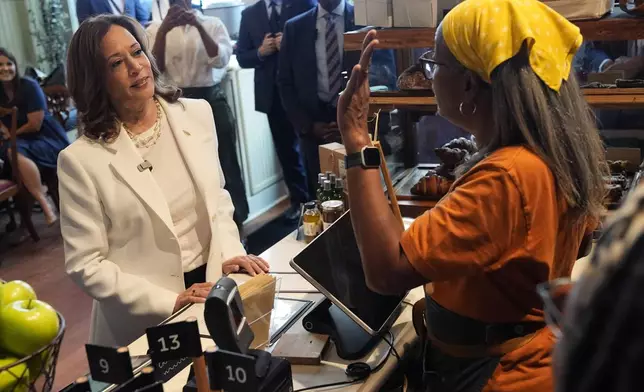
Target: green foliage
48,22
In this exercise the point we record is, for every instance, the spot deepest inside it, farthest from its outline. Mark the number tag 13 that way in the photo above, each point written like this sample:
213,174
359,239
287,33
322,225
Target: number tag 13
174,341
230,371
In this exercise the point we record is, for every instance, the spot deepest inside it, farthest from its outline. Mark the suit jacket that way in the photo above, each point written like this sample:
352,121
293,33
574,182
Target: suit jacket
134,8
298,76
254,26
119,238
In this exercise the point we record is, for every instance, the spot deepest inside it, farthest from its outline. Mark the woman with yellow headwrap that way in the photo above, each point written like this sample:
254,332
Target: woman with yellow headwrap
519,210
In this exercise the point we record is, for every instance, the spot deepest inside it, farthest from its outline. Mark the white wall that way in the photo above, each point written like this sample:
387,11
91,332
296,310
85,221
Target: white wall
14,31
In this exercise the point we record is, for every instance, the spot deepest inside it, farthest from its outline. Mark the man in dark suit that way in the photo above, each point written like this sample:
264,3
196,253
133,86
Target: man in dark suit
311,63
138,9
258,47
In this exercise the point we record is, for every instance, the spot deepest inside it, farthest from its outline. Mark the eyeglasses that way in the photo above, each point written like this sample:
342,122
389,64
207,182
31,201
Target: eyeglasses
428,64
554,295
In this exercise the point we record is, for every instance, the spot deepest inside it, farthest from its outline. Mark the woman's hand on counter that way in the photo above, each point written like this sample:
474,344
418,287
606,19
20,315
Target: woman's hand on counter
197,293
353,106
250,264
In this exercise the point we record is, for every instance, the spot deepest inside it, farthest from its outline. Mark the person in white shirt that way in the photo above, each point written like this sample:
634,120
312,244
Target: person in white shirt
193,51
146,222
160,9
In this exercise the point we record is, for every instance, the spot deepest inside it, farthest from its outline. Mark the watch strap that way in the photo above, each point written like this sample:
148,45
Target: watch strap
353,160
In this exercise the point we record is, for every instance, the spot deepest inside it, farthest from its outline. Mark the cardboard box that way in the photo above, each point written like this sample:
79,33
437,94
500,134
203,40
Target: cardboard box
415,13
376,13
421,13
332,159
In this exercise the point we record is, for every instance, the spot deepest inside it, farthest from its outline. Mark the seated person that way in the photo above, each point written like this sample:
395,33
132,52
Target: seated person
40,136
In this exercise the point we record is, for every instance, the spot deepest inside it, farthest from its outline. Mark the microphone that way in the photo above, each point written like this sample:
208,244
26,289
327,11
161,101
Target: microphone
144,166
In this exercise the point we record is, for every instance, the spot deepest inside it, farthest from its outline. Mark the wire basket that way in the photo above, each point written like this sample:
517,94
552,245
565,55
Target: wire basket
41,366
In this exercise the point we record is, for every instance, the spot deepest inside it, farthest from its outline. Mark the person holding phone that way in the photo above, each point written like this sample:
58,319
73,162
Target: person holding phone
193,51
260,40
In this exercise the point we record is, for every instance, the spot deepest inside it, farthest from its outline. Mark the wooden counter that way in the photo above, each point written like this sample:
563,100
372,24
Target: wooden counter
332,368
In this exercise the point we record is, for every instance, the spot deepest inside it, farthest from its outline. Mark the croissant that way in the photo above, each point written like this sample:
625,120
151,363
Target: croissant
432,185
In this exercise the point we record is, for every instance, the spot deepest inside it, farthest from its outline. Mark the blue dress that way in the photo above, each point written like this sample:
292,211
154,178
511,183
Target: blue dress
41,147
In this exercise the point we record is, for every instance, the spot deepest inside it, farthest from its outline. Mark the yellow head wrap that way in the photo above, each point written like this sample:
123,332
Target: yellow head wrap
482,34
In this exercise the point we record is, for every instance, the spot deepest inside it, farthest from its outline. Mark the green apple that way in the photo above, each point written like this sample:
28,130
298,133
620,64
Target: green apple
27,326
36,365
15,290
15,378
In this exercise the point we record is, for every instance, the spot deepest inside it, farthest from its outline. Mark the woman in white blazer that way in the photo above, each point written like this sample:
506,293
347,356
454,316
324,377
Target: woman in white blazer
146,223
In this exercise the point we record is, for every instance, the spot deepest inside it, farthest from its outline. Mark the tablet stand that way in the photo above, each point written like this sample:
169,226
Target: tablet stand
351,341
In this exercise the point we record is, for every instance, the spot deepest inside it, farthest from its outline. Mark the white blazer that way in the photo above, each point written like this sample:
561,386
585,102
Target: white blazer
119,238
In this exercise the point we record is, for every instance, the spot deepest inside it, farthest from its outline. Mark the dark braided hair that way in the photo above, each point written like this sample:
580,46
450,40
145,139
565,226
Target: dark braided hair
602,348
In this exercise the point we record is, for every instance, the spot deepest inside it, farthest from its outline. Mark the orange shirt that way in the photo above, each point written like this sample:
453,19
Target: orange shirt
487,244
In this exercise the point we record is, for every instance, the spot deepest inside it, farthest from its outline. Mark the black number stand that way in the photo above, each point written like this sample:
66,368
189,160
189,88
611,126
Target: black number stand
351,341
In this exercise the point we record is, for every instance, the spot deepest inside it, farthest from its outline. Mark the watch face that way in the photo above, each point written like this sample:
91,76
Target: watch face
371,157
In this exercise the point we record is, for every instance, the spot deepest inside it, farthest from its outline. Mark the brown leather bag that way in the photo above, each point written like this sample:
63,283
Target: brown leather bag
637,10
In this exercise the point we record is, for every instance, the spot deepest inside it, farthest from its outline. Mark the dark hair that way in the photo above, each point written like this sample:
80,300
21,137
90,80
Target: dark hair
557,126
602,348
86,80
15,82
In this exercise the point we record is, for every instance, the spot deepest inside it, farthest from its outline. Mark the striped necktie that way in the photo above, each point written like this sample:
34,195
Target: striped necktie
274,20
333,59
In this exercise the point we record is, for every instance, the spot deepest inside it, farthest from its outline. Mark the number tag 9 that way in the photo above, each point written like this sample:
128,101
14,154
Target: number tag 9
230,371
108,364
174,341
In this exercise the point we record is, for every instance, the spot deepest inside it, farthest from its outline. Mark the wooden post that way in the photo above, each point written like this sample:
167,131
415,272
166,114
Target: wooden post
390,186
201,376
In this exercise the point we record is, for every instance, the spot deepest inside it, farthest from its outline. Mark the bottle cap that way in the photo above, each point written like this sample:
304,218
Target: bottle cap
339,183
310,205
327,185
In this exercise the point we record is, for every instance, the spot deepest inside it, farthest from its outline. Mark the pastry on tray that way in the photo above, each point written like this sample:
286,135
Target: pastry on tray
435,184
432,186
614,194
617,167
413,78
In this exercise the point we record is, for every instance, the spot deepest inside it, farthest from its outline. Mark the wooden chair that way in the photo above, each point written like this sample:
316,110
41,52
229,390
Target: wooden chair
58,104
14,189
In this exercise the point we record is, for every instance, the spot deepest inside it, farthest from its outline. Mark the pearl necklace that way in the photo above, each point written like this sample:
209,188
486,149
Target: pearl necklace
141,141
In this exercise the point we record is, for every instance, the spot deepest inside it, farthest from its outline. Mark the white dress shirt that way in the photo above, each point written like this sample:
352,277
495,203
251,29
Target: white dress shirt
186,61
187,208
320,47
278,7
159,9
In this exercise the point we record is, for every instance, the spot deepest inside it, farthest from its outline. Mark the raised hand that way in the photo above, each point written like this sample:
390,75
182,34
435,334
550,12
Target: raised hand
353,105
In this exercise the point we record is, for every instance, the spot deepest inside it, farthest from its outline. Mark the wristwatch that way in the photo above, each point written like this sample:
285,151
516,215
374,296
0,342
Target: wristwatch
367,158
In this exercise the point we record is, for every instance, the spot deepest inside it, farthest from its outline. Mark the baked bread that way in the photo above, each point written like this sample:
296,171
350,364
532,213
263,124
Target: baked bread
413,78
432,186
617,167
614,194
462,143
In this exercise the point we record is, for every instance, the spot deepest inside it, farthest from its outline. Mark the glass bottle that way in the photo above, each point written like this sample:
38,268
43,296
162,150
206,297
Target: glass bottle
318,192
327,192
311,221
339,191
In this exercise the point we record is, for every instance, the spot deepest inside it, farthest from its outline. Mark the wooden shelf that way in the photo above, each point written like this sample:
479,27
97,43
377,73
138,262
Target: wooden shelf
600,98
617,26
